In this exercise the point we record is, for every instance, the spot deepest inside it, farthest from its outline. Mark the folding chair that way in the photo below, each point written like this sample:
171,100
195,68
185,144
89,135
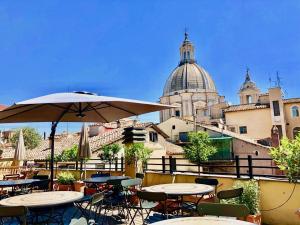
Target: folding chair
18,212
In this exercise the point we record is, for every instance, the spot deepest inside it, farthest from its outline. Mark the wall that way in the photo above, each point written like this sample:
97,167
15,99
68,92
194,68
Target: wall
258,122
272,194
292,122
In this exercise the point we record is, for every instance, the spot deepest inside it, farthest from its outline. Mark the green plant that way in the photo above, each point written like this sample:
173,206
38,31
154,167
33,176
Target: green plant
69,154
199,149
109,153
137,152
250,196
66,178
32,138
287,157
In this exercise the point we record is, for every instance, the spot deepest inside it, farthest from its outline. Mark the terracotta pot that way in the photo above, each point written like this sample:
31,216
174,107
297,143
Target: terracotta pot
256,219
65,187
79,186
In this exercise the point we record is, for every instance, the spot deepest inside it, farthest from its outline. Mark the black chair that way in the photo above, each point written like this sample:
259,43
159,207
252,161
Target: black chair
42,184
218,209
228,194
18,212
148,202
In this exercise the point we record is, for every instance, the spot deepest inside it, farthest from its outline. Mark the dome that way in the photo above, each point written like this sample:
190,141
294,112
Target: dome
189,77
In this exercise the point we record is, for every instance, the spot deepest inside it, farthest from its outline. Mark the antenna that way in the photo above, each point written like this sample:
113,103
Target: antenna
278,79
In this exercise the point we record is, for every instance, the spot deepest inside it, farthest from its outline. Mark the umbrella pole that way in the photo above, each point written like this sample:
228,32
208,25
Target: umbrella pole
52,135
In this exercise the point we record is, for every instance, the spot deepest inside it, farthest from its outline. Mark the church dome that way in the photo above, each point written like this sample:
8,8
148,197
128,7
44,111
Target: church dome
188,76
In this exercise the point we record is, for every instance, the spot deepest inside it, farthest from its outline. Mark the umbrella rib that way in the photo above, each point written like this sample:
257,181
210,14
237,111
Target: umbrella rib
27,110
120,108
61,107
64,112
99,114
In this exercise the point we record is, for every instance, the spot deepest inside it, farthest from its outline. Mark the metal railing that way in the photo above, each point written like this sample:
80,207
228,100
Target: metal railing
248,167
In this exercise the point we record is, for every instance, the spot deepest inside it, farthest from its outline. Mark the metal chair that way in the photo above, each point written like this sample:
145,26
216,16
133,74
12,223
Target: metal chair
93,206
218,209
228,194
18,212
148,201
43,184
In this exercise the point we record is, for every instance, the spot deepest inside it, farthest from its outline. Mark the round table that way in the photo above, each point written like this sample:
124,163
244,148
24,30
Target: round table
102,180
14,183
43,199
202,221
181,189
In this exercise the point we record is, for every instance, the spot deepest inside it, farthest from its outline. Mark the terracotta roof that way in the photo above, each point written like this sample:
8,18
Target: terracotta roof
291,100
235,108
2,107
65,141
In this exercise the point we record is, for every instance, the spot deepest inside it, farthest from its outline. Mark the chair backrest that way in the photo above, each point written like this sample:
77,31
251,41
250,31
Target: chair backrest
218,209
40,177
100,175
80,221
140,175
96,198
227,194
152,196
131,182
11,177
14,211
207,181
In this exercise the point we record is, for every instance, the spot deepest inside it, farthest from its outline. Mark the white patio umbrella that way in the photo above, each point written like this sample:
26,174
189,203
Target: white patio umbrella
20,151
74,107
84,150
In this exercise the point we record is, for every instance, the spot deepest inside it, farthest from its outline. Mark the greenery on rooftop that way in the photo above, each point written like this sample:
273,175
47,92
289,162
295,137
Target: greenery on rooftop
137,152
32,138
68,155
287,157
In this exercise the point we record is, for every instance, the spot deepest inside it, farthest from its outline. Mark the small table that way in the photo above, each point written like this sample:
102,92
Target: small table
43,199
202,221
181,189
102,180
45,207
14,183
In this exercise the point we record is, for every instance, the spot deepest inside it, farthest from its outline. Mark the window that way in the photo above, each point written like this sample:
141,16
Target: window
249,99
295,111
184,55
177,113
183,136
153,136
276,108
188,55
296,131
243,130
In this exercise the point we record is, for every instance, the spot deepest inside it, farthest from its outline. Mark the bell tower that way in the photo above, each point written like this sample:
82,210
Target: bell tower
249,93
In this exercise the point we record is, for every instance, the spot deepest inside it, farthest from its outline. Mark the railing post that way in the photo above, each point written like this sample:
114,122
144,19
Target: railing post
81,162
250,166
116,164
172,163
163,163
46,164
76,164
237,166
122,163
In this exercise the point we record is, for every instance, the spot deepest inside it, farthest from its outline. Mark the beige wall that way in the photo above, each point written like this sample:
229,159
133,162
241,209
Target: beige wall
291,122
180,126
258,122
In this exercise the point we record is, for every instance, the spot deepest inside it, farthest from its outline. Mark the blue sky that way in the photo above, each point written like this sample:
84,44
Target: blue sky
128,48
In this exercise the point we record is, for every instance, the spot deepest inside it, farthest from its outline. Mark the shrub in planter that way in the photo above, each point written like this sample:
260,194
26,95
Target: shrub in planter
65,181
250,198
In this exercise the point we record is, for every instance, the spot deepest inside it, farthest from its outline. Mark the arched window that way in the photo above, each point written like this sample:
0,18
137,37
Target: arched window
188,55
295,111
184,55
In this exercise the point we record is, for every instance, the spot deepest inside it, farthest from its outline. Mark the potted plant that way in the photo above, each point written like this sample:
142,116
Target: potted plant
199,148
250,198
137,154
65,181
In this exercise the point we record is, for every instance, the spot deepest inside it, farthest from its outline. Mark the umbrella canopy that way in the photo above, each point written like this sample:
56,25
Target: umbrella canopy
74,107
20,150
84,151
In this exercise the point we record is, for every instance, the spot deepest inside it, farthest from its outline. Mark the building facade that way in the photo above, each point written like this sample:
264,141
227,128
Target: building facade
258,114
191,90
